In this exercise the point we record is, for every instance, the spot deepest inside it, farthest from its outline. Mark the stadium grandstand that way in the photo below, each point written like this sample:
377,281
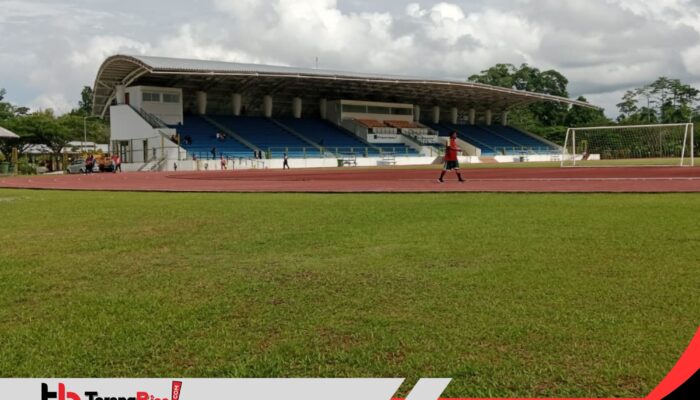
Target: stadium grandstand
166,112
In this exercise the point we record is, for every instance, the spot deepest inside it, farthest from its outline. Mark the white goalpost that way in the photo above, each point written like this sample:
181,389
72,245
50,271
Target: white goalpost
631,145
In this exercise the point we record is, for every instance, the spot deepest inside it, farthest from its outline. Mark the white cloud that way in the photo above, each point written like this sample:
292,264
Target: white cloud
602,46
100,47
55,101
691,59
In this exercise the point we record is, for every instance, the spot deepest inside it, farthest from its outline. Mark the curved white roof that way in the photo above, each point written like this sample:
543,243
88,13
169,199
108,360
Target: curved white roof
282,81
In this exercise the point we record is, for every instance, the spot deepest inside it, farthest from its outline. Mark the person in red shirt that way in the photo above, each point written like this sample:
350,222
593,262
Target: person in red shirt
451,162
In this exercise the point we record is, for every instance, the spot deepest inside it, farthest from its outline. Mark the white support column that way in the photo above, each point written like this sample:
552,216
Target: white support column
416,113
323,108
436,114
201,102
472,116
453,115
237,101
267,106
120,94
489,117
296,107
504,118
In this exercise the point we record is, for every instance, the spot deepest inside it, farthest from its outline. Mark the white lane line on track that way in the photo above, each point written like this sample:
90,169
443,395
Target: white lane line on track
564,179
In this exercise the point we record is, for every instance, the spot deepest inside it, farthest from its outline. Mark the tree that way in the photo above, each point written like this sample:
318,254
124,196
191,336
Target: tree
583,116
531,79
85,103
499,75
664,100
42,127
6,109
96,129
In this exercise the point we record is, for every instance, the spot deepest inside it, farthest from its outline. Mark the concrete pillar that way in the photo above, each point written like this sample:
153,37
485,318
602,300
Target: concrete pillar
323,108
201,102
121,94
489,117
237,101
453,115
267,106
472,116
296,107
416,113
436,114
504,118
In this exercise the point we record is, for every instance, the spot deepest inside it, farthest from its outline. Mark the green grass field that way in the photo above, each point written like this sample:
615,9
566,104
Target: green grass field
508,294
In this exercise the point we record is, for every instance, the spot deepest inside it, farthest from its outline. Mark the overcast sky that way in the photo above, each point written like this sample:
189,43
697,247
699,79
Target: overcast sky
50,49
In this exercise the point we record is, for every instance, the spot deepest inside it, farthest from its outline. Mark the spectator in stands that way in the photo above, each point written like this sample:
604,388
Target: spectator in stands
285,164
213,152
451,162
188,140
175,166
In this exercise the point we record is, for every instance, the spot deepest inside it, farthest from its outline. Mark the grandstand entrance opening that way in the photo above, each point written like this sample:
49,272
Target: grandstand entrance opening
635,145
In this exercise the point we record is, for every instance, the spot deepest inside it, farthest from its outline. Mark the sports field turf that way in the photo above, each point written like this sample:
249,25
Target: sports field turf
508,294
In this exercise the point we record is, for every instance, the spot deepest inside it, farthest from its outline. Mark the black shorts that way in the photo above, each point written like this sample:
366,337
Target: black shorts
449,165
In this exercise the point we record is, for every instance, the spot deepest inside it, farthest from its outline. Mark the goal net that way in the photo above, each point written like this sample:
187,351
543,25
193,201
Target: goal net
652,145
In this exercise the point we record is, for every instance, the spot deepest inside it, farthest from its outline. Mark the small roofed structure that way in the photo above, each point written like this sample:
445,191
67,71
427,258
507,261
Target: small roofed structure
7,134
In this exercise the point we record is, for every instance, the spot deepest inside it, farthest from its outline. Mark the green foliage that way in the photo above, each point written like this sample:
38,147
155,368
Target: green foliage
85,102
25,167
581,116
531,79
663,101
43,127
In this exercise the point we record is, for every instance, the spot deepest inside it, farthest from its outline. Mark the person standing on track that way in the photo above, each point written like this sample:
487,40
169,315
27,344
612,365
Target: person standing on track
285,165
117,163
451,162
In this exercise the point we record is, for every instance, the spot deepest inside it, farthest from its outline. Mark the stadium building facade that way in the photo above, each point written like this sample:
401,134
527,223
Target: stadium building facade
167,112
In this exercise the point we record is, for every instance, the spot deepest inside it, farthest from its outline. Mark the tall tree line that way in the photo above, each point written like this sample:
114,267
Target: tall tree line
47,128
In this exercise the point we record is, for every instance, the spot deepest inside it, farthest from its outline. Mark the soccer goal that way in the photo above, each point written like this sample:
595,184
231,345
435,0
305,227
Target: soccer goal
632,145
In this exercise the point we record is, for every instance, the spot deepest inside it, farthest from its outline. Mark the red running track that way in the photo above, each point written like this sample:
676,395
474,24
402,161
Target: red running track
351,180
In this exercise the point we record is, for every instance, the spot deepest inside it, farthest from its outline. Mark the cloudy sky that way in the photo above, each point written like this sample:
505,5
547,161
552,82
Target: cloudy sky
50,49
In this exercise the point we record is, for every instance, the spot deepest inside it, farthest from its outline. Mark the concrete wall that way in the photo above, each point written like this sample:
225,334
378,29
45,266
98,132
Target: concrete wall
126,125
170,113
236,164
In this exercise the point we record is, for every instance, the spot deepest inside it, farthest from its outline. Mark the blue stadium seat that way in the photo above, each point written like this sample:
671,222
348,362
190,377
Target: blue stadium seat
522,139
495,140
268,136
203,136
337,140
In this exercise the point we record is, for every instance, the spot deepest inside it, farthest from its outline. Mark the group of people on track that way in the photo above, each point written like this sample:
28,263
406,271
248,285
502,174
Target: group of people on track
91,161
